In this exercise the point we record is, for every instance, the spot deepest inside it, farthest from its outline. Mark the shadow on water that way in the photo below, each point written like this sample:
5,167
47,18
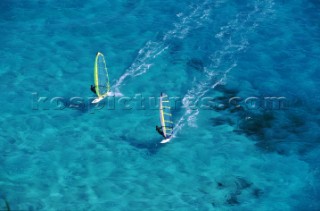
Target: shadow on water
6,205
235,186
196,64
78,104
151,146
175,47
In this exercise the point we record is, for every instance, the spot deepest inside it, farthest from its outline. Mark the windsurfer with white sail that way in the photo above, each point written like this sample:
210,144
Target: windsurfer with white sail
166,127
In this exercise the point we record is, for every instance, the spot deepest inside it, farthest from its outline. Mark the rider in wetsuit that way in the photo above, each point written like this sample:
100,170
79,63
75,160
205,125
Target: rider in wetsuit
93,89
160,131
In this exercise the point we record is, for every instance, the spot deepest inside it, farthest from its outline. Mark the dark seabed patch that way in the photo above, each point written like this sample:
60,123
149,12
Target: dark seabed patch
196,64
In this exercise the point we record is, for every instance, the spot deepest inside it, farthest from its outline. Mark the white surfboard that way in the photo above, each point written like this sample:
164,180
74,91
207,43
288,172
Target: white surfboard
165,140
97,100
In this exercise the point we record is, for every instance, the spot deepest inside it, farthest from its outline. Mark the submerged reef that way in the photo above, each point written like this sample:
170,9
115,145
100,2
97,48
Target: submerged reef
278,130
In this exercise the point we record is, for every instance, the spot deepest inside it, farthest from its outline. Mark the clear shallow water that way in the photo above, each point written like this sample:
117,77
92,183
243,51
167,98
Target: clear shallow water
221,159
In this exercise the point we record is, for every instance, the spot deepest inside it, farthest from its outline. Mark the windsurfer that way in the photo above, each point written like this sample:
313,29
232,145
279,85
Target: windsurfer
160,131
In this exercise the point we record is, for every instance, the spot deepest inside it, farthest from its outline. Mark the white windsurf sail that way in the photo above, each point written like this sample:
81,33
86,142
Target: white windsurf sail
166,117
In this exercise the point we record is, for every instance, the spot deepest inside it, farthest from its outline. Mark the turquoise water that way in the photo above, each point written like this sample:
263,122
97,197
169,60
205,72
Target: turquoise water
224,158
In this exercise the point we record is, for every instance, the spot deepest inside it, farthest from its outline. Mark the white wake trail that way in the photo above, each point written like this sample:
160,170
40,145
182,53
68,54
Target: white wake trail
223,60
152,49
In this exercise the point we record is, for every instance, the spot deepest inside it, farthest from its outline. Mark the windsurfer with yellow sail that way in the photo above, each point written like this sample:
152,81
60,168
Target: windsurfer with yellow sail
101,85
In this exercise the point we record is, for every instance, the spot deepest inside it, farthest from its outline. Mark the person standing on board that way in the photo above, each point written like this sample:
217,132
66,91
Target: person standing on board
93,89
160,131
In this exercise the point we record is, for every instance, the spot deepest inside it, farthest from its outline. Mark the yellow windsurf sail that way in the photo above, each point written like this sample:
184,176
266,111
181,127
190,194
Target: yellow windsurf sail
101,78
166,116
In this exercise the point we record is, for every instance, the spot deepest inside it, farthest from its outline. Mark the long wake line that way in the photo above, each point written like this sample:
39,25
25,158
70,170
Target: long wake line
152,49
238,29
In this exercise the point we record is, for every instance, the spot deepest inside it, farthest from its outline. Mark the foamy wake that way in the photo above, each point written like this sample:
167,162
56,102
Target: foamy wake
152,49
233,38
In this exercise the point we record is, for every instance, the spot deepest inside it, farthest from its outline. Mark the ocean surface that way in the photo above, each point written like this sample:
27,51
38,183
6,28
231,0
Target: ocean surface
244,78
